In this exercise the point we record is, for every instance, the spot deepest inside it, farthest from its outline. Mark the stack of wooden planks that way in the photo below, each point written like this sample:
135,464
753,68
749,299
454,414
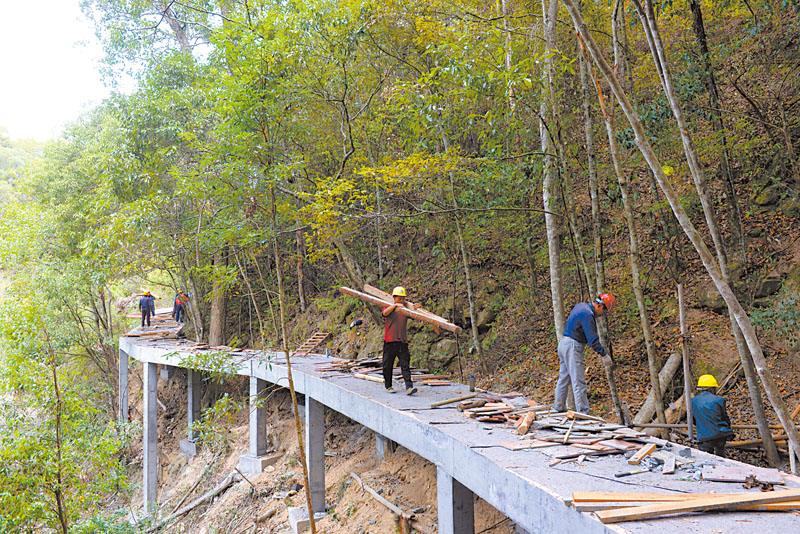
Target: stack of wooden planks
613,507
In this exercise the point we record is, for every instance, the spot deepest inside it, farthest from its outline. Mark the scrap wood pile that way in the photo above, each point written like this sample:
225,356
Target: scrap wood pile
370,369
613,507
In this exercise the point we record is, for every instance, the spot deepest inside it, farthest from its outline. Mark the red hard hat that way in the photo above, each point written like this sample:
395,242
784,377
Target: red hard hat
607,300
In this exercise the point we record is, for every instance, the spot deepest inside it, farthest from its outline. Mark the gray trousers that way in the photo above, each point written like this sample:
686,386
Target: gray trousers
571,371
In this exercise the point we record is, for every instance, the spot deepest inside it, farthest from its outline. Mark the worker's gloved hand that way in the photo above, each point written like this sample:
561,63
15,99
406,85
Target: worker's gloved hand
609,362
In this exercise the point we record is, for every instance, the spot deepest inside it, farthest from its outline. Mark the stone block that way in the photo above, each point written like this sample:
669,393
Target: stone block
252,465
298,518
188,447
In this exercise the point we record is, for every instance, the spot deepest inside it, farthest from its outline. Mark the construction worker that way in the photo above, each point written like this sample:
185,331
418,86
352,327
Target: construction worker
712,424
147,305
179,306
395,342
580,330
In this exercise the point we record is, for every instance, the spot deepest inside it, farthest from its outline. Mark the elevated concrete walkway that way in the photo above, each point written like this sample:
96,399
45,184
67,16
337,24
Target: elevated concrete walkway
467,453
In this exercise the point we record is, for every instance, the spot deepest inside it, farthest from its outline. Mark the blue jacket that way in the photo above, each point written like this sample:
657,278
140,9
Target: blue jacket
582,327
148,303
710,417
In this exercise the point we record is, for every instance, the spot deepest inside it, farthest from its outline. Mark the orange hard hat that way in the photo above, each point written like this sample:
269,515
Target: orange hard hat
606,300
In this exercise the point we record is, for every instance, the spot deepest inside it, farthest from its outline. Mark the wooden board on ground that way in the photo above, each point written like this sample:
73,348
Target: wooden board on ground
723,473
371,378
527,444
728,502
641,453
669,466
618,444
641,496
789,506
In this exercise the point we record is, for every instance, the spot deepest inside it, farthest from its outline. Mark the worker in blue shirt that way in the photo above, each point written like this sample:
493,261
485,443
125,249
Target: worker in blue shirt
710,416
580,330
147,305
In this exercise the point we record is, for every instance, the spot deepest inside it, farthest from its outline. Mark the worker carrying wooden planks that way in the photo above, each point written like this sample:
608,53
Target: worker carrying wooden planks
580,330
710,417
395,342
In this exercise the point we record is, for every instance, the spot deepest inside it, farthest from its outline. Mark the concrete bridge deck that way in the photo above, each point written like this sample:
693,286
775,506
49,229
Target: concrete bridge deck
467,453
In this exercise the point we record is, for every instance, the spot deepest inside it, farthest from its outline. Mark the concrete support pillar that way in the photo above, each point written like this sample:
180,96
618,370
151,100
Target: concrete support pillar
383,447
315,452
150,437
123,386
194,380
255,460
456,512
168,371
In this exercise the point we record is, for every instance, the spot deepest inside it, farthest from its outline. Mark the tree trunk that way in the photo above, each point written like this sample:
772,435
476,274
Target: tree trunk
216,327
549,183
246,281
175,25
597,235
644,319
356,276
686,224
473,316
197,312
301,292
718,124
285,343
648,19
597,231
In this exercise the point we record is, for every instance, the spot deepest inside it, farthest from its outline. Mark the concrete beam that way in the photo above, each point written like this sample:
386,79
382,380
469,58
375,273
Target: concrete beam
455,501
383,447
123,386
315,452
194,389
150,437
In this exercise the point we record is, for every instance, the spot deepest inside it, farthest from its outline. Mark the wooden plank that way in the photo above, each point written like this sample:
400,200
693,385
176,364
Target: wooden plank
640,496
617,444
578,415
457,399
383,295
669,466
696,505
525,425
641,453
774,507
740,474
371,378
450,327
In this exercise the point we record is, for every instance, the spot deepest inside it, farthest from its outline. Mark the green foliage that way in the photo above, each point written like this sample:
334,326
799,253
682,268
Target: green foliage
214,426
780,317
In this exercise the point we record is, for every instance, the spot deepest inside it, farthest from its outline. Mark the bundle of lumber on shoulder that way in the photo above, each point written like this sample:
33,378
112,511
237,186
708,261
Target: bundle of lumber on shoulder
613,507
373,295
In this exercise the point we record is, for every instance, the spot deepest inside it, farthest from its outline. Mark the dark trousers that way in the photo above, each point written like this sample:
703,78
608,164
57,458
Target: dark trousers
146,316
714,446
179,313
399,350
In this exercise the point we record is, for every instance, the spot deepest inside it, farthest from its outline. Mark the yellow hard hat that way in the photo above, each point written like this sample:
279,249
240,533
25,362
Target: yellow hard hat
707,381
399,291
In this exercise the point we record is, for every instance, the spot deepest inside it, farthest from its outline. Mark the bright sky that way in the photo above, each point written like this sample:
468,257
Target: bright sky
47,77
